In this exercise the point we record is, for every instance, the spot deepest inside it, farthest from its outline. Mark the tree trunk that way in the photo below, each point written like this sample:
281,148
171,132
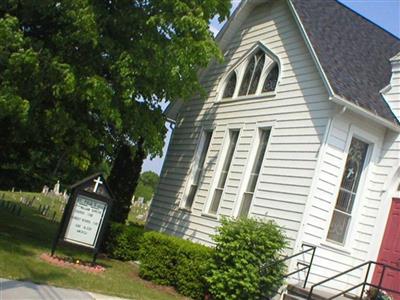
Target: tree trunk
124,177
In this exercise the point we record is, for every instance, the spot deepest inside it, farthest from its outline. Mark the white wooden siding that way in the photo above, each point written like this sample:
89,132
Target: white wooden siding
300,111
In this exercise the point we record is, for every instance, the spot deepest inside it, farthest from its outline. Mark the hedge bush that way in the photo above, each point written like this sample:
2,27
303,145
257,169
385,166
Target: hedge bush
173,261
158,256
192,266
123,241
243,246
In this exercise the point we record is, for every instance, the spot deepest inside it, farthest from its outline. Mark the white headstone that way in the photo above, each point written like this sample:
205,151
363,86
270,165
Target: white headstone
45,189
141,200
56,189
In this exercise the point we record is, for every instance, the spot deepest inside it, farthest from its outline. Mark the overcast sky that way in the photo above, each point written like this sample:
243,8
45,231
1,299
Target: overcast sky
385,13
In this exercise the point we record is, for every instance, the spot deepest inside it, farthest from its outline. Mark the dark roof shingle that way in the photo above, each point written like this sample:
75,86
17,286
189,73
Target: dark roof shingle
353,52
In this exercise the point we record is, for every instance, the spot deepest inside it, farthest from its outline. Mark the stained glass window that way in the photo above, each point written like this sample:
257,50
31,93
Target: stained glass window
348,190
230,86
271,80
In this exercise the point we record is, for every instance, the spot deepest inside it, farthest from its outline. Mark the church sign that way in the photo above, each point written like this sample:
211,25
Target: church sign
85,215
86,219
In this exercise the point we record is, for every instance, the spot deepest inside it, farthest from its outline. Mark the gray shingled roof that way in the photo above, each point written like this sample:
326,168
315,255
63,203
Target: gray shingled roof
353,52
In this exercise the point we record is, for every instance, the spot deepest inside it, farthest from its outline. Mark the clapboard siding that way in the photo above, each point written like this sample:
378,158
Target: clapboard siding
299,113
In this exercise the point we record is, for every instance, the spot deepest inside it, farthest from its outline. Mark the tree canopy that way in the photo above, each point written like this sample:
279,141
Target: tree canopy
80,77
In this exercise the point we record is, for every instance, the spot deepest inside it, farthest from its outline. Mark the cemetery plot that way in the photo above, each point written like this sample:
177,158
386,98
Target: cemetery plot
139,210
49,206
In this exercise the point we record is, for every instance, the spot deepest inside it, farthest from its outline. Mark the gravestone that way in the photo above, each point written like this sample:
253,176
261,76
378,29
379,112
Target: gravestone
141,200
56,189
85,215
45,190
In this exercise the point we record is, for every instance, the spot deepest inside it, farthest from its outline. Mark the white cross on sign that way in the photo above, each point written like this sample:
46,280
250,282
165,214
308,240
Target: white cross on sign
98,182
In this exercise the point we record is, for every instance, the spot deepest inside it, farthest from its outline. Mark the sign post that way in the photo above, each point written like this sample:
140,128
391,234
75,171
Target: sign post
85,216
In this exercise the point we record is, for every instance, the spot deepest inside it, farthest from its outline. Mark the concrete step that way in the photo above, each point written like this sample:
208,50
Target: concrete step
291,297
295,292
302,293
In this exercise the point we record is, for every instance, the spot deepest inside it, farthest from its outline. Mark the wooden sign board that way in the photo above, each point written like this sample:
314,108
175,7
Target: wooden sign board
86,214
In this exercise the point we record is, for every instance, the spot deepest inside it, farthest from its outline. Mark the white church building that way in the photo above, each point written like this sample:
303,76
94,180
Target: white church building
300,125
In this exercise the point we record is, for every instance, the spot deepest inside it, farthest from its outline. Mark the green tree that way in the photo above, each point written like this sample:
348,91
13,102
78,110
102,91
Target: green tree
150,178
79,79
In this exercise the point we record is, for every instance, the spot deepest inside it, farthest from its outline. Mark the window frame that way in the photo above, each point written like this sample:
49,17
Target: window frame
218,169
370,160
259,158
240,68
350,194
194,168
259,126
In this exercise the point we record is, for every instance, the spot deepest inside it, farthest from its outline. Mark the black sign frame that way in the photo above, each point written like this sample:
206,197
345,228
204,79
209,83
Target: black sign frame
66,218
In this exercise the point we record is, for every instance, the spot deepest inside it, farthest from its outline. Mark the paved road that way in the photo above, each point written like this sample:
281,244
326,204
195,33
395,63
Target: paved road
23,290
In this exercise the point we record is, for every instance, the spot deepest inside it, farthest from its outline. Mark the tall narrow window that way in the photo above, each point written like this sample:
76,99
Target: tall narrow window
348,190
271,80
233,137
251,185
199,168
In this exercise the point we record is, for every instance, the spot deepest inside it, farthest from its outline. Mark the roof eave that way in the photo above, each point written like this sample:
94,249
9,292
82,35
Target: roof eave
365,113
332,95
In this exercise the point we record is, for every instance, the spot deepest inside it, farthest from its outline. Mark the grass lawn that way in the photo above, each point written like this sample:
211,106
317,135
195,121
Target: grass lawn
22,240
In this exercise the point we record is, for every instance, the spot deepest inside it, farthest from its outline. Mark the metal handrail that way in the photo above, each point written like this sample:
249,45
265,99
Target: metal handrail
306,266
363,284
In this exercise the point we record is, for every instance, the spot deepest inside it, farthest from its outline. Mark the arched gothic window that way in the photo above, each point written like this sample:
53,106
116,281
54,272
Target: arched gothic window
230,86
271,80
250,75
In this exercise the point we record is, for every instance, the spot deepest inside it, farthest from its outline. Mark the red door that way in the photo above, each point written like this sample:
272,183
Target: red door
389,253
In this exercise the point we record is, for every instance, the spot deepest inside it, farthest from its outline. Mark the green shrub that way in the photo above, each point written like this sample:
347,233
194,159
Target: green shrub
192,266
173,261
158,257
243,246
123,241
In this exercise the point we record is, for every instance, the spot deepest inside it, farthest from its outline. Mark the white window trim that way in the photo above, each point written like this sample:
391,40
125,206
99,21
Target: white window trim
194,164
218,169
249,166
240,66
370,161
